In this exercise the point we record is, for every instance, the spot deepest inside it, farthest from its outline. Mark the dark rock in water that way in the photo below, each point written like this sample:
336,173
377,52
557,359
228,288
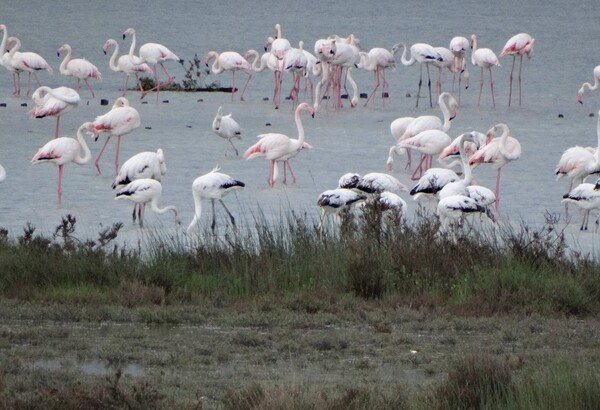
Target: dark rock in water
364,95
104,101
148,128
165,101
268,124
288,98
325,97
188,126
561,116
385,95
408,95
265,98
88,102
591,114
344,97
144,102
23,104
200,100
2,104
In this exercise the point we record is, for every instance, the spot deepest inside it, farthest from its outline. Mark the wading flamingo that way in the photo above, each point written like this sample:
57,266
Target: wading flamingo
335,201
586,197
230,61
54,102
378,60
78,67
428,143
424,54
63,150
214,186
120,120
226,127
588,85
484,58
459,46
125,65
518,45
274,146
24,61
142,191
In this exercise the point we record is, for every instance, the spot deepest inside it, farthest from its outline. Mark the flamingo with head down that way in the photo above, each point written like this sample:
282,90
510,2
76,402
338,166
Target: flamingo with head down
54,102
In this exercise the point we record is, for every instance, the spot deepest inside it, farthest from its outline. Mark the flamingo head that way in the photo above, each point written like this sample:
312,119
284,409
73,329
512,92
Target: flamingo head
580,96
128,32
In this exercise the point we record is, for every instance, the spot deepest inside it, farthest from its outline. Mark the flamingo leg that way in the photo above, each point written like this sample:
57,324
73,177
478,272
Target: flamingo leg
374,88
28,84
291,172
438,83
520,68
510,80
480,87
228,213
78,84
408,158
89,87
135,207
169,77
429,86
232,84
60,174
498,189
245,85
214,220
117,157
492,88
141,214
234,148
15,88
270,179
418,169
56,129
125,86
420,83
96,163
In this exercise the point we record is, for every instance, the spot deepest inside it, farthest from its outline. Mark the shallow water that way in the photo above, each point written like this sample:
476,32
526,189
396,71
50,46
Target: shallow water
344,140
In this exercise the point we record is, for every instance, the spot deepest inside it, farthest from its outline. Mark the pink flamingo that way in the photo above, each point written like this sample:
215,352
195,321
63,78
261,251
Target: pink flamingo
519,44
448,105
452,151
296,62
378,59
588,85
279,45
125,65
498,152
230,61
4,59
484,58
268,60
275,147
459,46
325,50
152,54
424,54
120,120
428,143
24,61
54,102
447,61
63,150
78,67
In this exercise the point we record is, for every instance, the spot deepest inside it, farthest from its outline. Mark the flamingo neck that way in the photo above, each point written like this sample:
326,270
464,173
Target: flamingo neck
468,175
299,126
113,58
155,208
216,66
16,45
255,62
87,154
197,209
65,62
473,48
132,46
446,114
404,59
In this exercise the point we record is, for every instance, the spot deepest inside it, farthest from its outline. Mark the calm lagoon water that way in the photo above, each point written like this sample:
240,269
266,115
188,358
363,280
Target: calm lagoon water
344,140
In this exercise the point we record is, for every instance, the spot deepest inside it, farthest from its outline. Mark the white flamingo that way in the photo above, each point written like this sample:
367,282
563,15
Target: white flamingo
144,191
424,54
588,85
125,64
230,61
586,197
226,127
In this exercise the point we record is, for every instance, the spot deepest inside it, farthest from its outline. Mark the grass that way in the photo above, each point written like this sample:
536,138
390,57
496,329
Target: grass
290,317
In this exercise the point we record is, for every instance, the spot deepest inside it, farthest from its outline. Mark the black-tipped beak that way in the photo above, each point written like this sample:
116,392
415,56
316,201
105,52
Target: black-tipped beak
124,35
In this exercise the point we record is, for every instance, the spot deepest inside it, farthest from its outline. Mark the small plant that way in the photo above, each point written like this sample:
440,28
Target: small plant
193,74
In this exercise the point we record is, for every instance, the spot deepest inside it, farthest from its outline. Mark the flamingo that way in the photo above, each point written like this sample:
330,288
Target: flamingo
459,187
152,54
24,61
452,151
61,151
268,60
378,59
588,85
333,201
499,151
78,68
119,121
4,55
142,191
586,197
428,143
459,46
226,127
484,58
397,128
347,55
230,61
424,54
125,65
371,183
519,44
448,105
274,146
214,185
577,163
145,164
446,61
279,45
454,207
54,102
325,50
296,61
432,181
2,173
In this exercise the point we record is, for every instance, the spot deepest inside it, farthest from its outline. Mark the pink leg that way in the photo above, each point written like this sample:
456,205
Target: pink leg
492,88
78,84
28,84
232,84
169,78
498,189
245,85
438,83
510,81
56,130
418,169
117,157
374,88
90,88
409,158
520,67
100,155
480,88
125,89
270,179
15,88
291,172
60,174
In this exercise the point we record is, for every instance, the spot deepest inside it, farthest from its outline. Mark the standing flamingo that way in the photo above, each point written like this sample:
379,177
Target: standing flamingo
145,164
4,55
428,143
577,163
2,173
498,152
63,150
78,67
448,106
347,56
586,197
24,61
279,45
424,54
268,60
588,85
484,58
152,54
54,102
125,64
334,201
447,61
120,120
459,46
214,185
519,44
230,61
274,146
325,50
226,127
452,152
378,60
142,191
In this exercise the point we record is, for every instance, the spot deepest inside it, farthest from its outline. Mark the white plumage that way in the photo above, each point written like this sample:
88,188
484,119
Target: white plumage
144,191
586,197
226,127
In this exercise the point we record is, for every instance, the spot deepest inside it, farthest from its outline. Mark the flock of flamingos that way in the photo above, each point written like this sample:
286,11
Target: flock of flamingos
138,179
